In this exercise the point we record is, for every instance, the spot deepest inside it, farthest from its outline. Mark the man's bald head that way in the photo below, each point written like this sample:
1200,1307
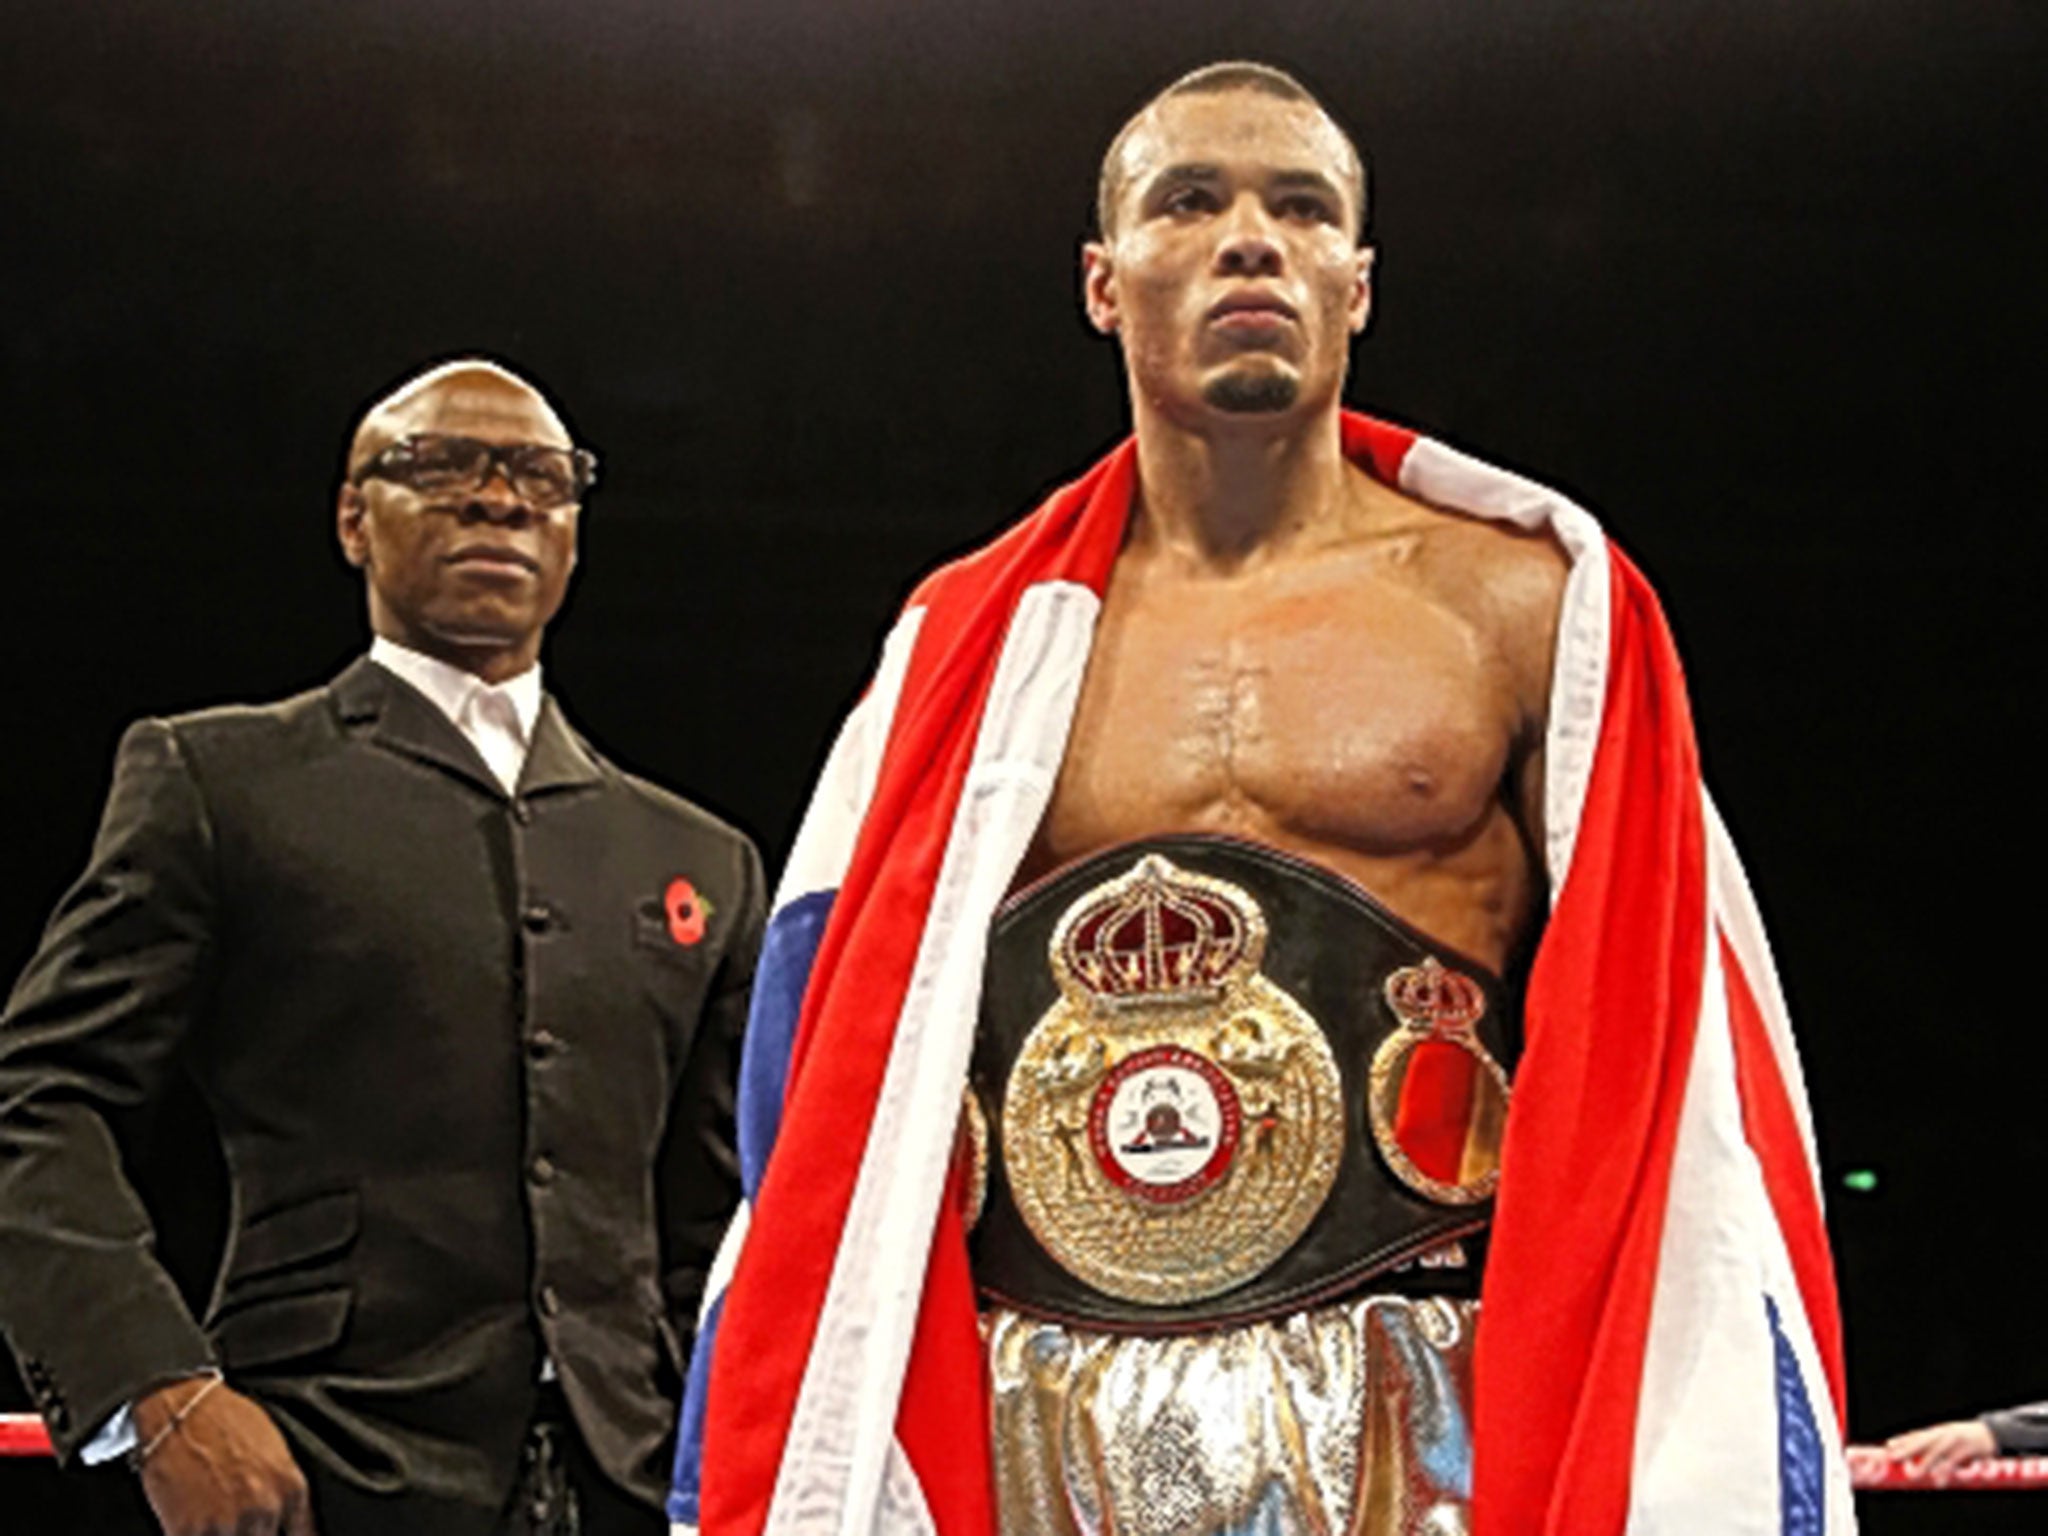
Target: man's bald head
1214,79
459,397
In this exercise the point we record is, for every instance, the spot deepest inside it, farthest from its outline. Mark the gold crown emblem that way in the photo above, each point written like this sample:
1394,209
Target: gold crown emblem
1158,935
1429,996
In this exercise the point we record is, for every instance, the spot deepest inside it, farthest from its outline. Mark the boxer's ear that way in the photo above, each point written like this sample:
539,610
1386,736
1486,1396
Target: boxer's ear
1361,295
1098,287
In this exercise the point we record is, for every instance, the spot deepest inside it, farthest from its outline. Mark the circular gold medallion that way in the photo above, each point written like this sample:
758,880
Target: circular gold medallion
1174,1122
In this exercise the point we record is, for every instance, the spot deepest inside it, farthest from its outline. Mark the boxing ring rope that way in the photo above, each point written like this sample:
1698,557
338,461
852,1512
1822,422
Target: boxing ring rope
22,1434
1996,1473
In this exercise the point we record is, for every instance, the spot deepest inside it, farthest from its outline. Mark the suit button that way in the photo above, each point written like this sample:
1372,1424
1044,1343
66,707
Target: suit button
541,1170
538,918
542,1044
522,813
550,1301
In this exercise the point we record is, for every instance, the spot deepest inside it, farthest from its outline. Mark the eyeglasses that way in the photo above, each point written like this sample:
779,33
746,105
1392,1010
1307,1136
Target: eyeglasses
437,463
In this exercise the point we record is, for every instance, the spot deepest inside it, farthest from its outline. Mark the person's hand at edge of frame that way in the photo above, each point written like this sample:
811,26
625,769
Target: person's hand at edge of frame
1939,1450
220,1468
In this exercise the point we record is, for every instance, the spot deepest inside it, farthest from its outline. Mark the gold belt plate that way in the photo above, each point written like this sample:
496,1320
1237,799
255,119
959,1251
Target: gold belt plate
1173,1122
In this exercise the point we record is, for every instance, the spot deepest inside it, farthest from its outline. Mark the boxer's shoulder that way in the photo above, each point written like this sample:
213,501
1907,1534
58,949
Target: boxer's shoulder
1507,582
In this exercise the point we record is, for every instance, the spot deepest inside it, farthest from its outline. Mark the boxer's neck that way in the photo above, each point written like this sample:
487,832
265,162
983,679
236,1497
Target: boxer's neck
1225,500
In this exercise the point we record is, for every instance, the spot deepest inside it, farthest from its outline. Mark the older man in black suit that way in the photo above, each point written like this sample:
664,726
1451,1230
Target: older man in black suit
465,1002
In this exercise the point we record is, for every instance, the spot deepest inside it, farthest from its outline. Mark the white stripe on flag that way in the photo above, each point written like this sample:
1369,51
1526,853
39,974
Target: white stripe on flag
1744,925
903,1511
831,1480
824,844
723,1262
1739,921
1839,1499
1445,477
1706,1448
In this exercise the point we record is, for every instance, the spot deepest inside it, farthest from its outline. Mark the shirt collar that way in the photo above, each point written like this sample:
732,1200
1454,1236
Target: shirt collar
451,688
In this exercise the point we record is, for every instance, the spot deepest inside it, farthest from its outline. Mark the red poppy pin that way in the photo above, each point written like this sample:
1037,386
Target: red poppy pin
686,911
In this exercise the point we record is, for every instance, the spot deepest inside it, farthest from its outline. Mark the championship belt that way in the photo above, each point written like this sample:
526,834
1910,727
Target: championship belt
1215,1082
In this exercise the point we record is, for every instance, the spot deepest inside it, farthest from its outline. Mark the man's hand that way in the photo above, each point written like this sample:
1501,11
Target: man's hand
1940,1449
224,1470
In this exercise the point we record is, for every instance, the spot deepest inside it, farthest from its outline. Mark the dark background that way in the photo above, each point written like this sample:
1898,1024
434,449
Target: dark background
1758,283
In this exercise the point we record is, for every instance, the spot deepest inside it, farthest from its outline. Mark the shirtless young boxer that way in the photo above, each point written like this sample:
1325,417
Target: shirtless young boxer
1199,819
1291,651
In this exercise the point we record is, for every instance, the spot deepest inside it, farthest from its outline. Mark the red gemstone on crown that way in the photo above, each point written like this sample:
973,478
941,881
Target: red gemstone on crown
1155,935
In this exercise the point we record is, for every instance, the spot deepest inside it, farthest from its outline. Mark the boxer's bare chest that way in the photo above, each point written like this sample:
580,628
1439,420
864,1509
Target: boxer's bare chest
1339,707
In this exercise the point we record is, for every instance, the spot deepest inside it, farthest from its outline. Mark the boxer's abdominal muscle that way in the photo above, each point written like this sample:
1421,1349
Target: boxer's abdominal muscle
1334,708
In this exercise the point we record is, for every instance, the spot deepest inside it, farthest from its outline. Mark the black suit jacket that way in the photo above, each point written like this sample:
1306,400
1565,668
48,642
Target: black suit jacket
2019,1431
471,1058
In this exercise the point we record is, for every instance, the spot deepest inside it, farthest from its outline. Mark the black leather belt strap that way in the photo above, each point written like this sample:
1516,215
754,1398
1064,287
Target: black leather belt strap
1331,947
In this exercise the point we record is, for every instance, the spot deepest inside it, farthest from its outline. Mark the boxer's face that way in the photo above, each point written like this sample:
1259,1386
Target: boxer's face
473,574
1232,277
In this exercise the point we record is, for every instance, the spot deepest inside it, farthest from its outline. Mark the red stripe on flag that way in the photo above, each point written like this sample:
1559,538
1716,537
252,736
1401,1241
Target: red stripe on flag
943,1420
785,1268
1611,1015
1771,1127
1382,444
859,981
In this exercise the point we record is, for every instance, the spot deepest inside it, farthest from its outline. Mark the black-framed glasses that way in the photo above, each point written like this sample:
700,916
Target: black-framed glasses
440,463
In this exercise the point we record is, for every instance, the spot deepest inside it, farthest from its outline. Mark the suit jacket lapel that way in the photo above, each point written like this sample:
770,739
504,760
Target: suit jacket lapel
399,717
557,758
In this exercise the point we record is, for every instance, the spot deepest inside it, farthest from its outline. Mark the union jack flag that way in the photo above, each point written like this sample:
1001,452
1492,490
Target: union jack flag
1660,1352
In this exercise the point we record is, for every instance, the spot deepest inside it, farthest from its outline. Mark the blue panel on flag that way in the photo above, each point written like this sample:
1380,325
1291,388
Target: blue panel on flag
787,952
682,1498
1800,1479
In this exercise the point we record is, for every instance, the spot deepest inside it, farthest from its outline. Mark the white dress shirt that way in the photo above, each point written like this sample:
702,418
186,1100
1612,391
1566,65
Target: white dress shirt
496,719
